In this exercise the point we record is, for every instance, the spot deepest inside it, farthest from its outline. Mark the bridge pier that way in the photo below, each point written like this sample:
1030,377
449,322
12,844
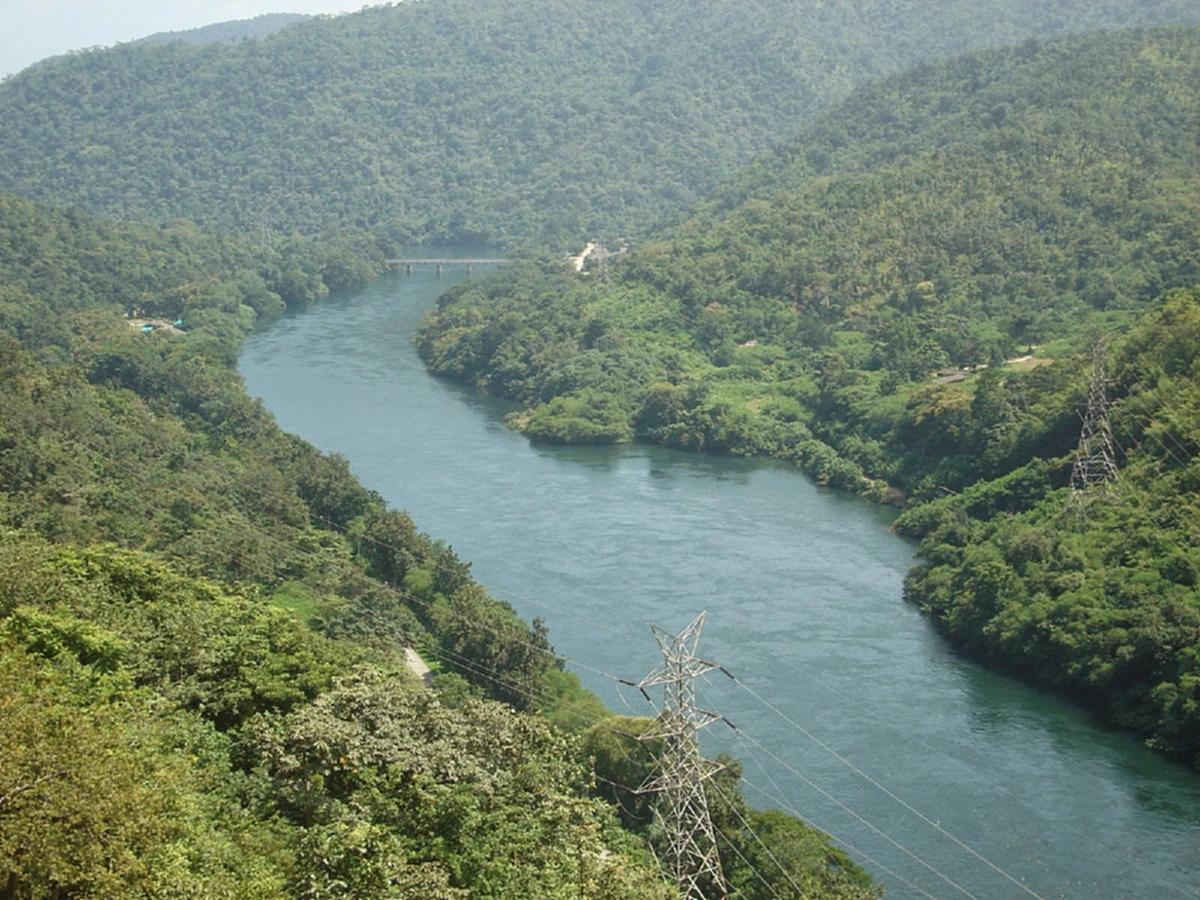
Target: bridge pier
468,270
439,269
408,268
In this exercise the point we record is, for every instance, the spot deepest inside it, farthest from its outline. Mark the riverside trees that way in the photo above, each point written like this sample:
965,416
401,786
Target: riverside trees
951,217
203,623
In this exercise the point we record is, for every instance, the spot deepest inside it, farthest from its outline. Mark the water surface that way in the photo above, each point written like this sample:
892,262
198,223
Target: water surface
929,759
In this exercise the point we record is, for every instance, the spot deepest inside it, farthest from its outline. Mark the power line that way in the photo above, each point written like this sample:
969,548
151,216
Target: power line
779,798
879,831
749,830
874,783
1150,515
848,700
732,845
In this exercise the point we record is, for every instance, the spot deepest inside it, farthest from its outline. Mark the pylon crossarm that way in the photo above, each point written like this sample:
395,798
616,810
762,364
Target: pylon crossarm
657,679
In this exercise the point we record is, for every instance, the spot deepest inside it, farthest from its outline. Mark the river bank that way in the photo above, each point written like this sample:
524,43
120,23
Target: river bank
803,588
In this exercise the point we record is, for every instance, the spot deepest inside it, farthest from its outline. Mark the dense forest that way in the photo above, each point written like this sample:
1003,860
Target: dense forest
951,217
203,619
543,122
203,623
1095,591
227,32
944,221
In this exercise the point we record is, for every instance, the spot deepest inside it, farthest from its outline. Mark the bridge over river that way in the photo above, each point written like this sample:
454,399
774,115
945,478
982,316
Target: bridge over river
409,263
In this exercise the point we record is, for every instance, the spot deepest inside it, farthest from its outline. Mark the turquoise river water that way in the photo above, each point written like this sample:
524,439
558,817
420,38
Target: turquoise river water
942,778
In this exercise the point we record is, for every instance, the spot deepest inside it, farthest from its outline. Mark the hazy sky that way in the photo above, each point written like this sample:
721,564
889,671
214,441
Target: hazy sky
34,29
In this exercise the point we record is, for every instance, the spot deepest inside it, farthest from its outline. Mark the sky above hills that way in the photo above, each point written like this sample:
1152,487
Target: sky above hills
31,30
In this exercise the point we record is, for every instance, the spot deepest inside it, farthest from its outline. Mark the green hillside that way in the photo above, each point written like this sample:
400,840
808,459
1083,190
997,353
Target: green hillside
548,121
947,219
203,620
1096,593
951,217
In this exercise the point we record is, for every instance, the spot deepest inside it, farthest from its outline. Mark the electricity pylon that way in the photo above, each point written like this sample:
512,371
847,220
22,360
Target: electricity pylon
1095,459
691,857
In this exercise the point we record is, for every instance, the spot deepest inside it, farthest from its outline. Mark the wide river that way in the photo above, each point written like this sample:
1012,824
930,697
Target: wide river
941,778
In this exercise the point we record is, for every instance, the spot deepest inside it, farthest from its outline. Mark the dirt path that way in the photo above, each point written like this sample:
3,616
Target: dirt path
417,666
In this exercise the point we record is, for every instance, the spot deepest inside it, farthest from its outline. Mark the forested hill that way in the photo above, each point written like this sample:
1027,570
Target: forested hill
547,120
230,32
950,217
1095,593
203,621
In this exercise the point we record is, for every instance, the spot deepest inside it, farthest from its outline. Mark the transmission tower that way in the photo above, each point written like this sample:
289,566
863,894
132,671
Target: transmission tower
1095,459
691,857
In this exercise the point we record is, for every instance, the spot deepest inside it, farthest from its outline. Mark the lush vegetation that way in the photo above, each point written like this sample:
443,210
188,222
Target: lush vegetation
231,32
951,217
166,737
549,121
203,621
1093,592
149,441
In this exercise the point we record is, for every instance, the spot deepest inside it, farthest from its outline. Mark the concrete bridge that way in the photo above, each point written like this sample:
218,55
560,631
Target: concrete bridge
409,263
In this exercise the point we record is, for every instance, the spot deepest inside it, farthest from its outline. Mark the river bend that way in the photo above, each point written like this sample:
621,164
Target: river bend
862,704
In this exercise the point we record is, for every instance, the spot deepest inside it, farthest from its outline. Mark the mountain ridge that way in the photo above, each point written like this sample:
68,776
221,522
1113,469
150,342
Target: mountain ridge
467,119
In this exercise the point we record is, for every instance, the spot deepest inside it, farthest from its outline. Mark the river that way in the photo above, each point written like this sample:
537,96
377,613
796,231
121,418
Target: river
942,778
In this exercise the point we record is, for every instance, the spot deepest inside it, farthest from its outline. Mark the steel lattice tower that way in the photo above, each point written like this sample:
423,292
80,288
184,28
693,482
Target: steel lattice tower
691,857
1095,459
